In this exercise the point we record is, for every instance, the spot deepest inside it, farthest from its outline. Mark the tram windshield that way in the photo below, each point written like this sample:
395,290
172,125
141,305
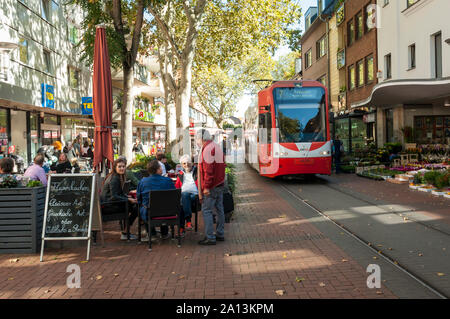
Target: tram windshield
300,114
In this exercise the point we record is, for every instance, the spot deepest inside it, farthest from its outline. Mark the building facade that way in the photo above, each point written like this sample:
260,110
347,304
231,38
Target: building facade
413,97
46,88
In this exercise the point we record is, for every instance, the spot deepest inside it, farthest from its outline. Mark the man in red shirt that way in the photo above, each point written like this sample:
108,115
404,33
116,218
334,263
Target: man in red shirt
211,179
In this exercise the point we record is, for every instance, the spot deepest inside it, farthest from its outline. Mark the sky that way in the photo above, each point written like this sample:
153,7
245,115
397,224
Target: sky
245,101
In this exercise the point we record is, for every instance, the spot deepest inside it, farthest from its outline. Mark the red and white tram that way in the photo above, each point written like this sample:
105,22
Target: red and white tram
287,130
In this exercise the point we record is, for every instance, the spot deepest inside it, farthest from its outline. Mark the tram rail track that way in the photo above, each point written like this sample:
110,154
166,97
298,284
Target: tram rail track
368,245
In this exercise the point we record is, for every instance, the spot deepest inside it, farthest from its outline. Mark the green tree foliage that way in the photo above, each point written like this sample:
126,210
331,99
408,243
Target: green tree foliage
234,46
285,67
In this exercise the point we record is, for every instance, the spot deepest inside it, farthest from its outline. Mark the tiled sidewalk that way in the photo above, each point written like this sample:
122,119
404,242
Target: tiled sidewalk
268,248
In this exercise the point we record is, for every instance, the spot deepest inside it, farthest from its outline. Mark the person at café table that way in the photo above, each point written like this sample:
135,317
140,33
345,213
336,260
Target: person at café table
113,190
6,167
62,166
35,172
187,181
153,182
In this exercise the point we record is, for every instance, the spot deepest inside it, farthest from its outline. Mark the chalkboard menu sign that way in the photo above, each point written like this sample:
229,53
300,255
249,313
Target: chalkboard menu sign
68,207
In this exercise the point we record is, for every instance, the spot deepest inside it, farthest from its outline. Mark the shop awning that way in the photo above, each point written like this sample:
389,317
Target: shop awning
32,108
414,91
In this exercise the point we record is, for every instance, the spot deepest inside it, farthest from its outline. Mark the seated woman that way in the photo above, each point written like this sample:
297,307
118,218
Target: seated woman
63,165
153,182
113,190
187,181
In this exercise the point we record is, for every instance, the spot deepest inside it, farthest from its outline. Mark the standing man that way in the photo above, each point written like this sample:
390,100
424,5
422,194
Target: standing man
211,178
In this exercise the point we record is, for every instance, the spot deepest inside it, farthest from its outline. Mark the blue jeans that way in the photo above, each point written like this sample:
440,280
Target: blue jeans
186,203
214,199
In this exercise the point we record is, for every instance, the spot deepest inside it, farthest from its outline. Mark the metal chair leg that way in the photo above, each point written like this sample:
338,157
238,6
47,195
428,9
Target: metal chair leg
173,231
149,227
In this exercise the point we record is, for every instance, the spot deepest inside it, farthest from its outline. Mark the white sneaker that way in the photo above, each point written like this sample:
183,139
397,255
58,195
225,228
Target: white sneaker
144,238
124,237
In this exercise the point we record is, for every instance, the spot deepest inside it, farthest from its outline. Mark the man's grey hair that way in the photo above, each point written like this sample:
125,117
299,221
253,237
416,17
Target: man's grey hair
204,135
185,158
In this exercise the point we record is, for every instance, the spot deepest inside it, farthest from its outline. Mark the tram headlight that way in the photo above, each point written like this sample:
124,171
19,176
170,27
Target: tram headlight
326,153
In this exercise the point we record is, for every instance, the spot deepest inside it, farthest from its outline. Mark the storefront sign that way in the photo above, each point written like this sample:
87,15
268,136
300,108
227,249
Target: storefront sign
11,149
142,115
86,105
47,96
55,134
369,118
115,133
47,134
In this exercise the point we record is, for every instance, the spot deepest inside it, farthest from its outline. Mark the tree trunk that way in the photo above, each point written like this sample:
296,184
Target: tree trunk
126,123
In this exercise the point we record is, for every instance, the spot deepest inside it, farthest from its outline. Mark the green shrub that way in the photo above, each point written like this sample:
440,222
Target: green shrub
430,177
34,184
418,179
393,148
442,181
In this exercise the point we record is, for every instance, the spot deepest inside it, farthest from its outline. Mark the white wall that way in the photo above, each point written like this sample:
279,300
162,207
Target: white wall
401,27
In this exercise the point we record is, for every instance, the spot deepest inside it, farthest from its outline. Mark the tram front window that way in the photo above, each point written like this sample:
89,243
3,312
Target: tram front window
301,114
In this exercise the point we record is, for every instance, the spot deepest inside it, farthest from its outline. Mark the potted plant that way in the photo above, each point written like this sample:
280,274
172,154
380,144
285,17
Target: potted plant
441,182
429,178
22,205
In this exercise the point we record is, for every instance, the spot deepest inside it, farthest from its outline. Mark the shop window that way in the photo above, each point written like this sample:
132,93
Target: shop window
359,134
432,129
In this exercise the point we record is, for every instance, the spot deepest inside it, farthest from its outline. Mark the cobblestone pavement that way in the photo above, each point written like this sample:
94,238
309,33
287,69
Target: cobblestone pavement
269,247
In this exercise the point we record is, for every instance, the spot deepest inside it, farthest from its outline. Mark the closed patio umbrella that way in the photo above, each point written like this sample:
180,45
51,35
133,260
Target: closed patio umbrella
102,100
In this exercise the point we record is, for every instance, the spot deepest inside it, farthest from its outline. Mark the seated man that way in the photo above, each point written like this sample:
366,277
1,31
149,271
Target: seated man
187,181
35,172
154,182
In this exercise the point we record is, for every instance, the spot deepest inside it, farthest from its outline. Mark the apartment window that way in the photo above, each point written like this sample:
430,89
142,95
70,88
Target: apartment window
359,25
411,56
73,34
47,61
388,66
437,59
369,13
360,73
410,2
74,77
323,80
369,69
23,50
386,2
350,32
351,77
308,59
321,47
45,4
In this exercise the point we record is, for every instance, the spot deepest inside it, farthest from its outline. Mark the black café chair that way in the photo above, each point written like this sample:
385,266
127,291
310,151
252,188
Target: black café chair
164,209
196,208
116,210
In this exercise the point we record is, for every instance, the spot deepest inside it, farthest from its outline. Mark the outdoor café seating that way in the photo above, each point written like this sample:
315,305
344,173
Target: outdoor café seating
164,209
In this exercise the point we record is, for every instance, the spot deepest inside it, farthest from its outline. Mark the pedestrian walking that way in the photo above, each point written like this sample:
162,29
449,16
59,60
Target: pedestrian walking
338,149
211,179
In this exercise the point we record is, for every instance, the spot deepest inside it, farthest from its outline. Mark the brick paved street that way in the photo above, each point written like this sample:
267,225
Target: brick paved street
268,247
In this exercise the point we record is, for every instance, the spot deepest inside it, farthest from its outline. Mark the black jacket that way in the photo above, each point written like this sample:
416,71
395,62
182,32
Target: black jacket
112,190
62,168
194,174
